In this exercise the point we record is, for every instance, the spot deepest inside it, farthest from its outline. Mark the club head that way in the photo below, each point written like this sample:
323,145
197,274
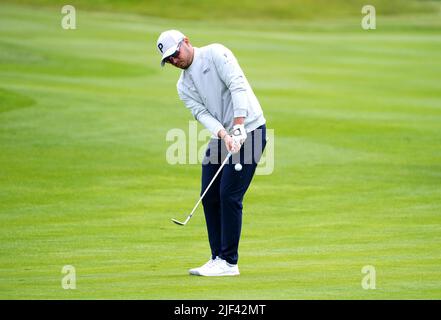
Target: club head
178,222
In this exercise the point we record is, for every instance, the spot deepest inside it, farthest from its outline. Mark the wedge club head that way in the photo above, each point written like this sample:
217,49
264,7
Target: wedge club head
178,222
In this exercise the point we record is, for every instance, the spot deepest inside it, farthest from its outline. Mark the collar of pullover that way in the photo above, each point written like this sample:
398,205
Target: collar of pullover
196,60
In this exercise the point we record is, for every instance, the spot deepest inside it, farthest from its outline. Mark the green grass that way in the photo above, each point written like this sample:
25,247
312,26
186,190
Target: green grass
244,10
84,182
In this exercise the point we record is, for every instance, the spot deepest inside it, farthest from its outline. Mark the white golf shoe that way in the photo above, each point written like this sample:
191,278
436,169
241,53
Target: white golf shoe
202,269
216,268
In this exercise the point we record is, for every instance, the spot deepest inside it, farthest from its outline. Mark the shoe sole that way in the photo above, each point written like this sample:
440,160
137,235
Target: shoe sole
195,273
222,275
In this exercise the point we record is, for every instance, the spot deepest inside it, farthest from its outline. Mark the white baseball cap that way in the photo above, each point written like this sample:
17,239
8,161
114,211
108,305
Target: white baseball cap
168,43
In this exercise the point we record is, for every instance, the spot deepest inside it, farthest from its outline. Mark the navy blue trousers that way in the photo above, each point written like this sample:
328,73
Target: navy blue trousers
223,202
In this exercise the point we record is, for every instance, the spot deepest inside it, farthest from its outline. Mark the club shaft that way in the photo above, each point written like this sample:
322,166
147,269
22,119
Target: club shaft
208,187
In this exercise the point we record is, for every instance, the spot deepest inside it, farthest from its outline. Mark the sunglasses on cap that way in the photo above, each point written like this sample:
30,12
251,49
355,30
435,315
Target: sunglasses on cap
176,53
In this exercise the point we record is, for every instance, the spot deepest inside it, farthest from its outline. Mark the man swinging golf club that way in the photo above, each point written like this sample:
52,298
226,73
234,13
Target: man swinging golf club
213,86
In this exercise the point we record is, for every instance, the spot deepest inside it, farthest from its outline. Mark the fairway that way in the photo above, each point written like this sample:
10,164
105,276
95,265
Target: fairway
84,179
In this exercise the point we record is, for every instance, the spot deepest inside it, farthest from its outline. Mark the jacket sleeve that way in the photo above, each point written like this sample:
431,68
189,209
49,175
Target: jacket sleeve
193,102
232,75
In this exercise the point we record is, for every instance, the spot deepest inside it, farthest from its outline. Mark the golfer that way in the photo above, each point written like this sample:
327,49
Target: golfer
213,86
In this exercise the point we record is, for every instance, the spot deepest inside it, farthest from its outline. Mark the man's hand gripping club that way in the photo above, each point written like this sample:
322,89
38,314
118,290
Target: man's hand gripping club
234,141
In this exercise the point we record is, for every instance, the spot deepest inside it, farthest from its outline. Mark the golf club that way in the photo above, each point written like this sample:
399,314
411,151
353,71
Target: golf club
200,199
